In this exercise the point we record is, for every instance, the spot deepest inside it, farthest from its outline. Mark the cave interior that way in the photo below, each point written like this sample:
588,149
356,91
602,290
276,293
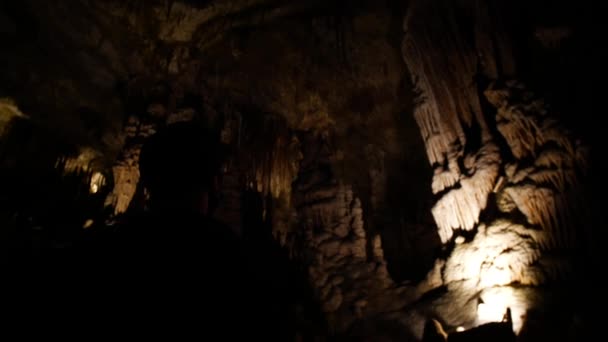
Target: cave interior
397,169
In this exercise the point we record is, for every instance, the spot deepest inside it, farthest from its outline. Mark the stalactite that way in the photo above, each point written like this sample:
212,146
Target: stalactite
271,155
554,158
82,162
544,179
444,179
443,67
548,209
559,179
521,133
523,120
544,162
438,140
460,208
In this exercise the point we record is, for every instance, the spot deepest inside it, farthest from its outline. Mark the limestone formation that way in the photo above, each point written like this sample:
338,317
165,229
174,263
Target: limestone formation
126,169
337,119
8,112
341,269
460,207
535,176
450,118
542,182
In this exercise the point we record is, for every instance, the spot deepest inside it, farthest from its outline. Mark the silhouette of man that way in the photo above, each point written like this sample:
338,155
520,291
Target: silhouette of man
181,271
178,167
171,272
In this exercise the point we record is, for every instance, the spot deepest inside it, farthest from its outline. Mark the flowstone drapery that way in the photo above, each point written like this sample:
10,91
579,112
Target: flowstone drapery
505,172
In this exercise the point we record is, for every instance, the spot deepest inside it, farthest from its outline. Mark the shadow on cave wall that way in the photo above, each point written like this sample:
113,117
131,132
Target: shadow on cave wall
409,234
410,240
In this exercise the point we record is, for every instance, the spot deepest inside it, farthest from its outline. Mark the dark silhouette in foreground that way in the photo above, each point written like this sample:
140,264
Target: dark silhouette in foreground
494,331
170,272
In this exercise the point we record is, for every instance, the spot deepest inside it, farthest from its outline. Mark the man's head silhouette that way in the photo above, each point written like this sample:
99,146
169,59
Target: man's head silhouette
178,167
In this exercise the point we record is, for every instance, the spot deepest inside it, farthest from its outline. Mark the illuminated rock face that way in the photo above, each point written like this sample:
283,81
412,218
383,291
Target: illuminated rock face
461,206
543,181
484,187
126,168
458,142
498,255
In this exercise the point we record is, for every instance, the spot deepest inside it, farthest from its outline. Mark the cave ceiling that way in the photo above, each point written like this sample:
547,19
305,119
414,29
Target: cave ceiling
83,67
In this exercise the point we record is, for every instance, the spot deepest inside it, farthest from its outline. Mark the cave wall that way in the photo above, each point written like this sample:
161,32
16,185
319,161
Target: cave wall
506,173
332,72
135,68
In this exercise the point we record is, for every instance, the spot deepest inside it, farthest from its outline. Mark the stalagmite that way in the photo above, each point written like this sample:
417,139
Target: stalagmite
348,271
271,160
126,168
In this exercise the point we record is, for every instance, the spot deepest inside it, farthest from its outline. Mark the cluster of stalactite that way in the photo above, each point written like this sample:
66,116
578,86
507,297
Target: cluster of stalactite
534,176
82,162
544,179
460,207
87,164
444,67
269,152
347,268
452,125
263,155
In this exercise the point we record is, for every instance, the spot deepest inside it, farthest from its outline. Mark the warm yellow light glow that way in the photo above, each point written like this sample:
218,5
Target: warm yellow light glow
500,254
495,303
460,329
496,275
490,312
